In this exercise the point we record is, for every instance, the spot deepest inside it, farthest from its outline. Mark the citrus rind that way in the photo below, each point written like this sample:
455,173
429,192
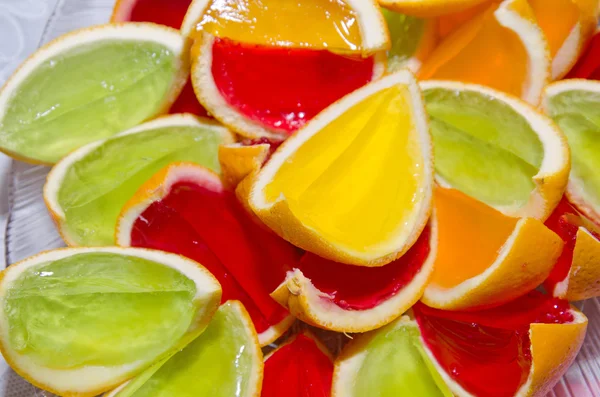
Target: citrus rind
210,97
305,301
553,174
278,216
374,35
59,171
138,31
91,380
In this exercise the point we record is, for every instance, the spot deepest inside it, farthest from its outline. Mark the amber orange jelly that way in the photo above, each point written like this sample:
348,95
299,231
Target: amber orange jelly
488,352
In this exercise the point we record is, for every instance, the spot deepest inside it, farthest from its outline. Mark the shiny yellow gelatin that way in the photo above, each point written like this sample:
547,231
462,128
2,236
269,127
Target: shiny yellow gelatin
316,24
357,180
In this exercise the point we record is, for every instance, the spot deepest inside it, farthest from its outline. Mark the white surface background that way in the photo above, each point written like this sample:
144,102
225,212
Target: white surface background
26,228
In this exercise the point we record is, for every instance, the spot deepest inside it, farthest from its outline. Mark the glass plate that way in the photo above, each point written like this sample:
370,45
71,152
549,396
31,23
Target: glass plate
30,230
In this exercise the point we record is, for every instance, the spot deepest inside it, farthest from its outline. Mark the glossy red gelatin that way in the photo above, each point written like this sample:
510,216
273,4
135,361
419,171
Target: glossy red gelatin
213,229
298,369
588,66
169,13
565,221
359,287
284,88
164,12
488,352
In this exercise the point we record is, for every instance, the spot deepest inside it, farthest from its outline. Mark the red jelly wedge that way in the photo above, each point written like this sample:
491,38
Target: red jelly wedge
185,210
300,368
505,350
576,274
588,66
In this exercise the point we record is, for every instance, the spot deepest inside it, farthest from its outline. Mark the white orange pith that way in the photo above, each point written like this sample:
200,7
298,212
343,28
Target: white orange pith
490,259
302,181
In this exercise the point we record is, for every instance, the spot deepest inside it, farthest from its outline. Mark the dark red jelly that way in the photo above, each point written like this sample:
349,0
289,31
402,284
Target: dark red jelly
213,229
359,287
564,221
164,12
488,352
298,369
588,66
284,88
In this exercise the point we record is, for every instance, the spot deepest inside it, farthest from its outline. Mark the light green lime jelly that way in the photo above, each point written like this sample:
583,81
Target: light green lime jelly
96,187
88,93
577,113
219,363
483,147
102,309
397,365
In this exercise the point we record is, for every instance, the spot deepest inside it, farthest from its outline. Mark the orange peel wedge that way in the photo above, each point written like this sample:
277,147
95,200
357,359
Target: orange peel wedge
507,47
365,27
385,117
491,259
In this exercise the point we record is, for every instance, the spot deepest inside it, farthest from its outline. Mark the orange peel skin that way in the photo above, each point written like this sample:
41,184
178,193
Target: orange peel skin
429,8
491,259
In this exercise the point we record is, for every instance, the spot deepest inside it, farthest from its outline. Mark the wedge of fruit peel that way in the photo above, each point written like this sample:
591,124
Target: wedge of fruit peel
520,349
87,189
348,26
185,209
429,8
412,40
240,161
576,274
389,361
506,45
588,65
568,25
169,13
491,259
346,298
259,90
573,106
496,148
307,192
126,73
225,360
127,309
300,367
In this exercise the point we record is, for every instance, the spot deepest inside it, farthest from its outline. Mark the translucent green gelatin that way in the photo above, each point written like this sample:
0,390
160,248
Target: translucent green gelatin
406,33
91,92
577,113
96,187
219,363
100,309
396,365
483,147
